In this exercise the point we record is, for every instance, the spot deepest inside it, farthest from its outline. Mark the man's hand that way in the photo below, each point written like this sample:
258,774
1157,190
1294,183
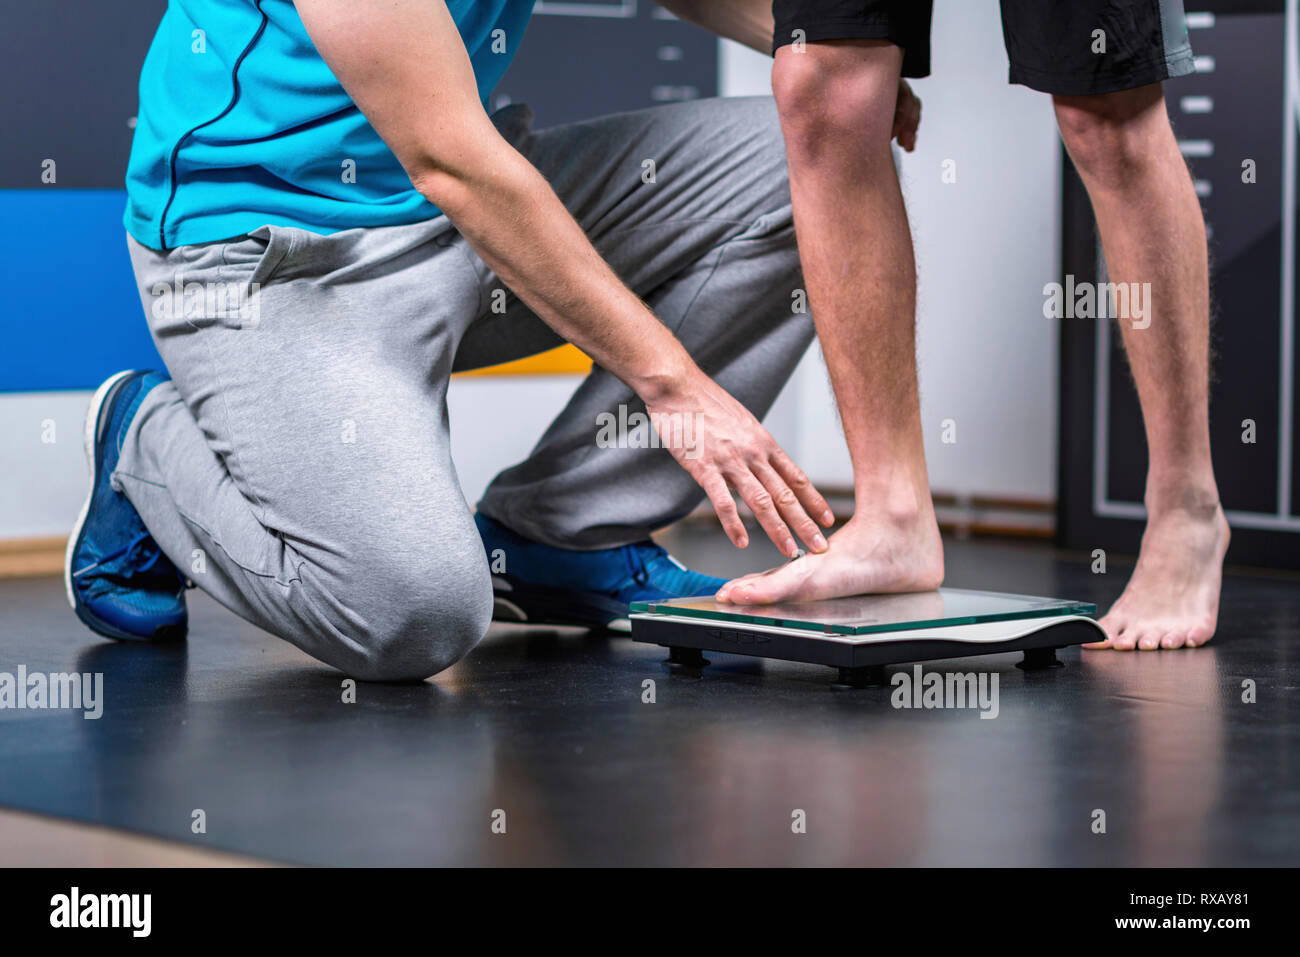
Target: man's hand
907,117
724,448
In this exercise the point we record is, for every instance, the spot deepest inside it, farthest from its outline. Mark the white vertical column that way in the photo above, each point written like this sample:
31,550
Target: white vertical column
1291,102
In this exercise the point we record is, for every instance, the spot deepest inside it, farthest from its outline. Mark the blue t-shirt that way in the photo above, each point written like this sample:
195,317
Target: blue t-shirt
241,124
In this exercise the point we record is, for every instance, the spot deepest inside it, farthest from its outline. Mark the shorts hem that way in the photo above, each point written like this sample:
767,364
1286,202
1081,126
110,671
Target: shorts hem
1180,63
818,31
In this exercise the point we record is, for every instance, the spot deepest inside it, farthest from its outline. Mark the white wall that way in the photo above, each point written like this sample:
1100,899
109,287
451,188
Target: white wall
43,472
494,423
985,247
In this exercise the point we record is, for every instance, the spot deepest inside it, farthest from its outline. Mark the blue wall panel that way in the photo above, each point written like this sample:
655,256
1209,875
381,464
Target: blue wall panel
72,315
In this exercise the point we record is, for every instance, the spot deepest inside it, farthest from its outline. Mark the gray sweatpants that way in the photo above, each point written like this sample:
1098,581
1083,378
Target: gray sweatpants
297,467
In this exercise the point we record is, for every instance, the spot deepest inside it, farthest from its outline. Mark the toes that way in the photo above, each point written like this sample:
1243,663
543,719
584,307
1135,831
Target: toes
761,591
1149,641
1122,635
1187,637
1112,626
1126,640
727,591
783,583
742,591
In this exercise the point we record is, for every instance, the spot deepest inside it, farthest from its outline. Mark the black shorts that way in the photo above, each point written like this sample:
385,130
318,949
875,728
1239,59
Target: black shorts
904,23
1053,45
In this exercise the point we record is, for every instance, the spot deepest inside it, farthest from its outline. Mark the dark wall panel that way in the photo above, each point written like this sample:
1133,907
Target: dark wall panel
1230,112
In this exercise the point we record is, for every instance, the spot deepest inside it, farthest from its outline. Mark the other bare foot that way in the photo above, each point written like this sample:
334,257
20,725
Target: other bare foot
1172,599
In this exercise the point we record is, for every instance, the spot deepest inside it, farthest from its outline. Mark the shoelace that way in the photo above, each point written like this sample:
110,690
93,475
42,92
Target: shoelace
636,563
120,566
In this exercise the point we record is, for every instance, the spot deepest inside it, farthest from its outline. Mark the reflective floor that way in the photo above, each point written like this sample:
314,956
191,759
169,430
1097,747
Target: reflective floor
548,735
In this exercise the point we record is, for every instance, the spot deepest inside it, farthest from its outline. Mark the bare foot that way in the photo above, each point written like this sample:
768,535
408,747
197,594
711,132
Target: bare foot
1172,600
866,556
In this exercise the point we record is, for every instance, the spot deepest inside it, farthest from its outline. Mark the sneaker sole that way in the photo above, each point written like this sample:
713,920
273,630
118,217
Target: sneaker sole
88,441
519,603
165,633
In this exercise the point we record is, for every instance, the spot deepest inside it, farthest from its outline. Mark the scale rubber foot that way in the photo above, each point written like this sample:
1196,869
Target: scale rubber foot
688,658
1039,659
864,677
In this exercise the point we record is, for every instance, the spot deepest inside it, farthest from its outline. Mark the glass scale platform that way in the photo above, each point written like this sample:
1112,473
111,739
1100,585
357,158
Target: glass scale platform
861,634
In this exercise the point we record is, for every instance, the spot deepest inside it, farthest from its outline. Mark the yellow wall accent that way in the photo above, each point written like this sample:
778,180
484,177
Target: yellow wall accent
565,360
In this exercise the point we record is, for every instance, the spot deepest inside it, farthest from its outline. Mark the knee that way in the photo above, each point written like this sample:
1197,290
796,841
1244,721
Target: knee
421,611
1110,137
426,635
834,100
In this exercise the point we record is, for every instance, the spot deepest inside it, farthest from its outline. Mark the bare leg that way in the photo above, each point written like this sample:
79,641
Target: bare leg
1152,231
837,101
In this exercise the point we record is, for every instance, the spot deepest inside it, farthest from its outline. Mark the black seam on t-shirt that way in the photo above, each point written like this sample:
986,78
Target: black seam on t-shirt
234,98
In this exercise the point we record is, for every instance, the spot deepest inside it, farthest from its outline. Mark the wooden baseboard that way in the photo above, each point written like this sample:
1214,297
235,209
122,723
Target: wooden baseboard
962,515
35,840
29,557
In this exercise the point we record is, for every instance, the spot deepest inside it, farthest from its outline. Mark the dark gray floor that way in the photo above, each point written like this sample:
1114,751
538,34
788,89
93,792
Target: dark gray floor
549,726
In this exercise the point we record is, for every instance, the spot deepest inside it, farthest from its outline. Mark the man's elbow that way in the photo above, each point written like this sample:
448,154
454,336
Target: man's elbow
476,166
448,189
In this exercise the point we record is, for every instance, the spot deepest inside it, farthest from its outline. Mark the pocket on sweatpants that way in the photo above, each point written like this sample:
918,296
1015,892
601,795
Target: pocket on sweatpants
258,255
249,265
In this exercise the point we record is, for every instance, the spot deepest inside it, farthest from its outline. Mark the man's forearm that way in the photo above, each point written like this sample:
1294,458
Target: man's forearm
513,219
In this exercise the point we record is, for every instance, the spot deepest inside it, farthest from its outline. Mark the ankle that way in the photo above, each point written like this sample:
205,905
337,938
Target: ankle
900,506
1196,501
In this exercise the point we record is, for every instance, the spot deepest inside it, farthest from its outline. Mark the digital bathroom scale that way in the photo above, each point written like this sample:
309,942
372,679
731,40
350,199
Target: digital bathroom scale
861,634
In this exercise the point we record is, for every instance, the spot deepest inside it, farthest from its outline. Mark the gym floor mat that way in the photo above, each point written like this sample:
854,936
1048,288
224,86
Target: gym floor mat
557,735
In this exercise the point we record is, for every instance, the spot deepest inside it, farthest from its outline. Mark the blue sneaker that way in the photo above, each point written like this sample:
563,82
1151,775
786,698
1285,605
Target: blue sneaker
542,584
119,582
